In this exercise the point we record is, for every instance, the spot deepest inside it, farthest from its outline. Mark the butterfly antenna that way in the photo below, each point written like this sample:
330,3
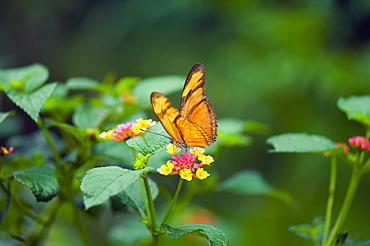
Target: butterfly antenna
156,133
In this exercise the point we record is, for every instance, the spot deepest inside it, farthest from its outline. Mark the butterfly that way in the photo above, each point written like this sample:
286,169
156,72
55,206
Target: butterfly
195,123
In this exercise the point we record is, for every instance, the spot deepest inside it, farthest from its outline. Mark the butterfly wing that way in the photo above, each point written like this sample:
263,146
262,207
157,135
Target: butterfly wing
196,123
167,114
199,115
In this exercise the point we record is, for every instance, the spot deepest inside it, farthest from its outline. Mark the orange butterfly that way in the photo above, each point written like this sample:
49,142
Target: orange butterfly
196,123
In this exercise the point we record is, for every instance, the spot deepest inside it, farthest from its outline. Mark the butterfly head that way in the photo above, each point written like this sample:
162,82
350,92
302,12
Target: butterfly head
180,144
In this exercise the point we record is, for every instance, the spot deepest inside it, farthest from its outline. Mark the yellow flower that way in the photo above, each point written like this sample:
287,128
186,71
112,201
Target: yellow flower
166,169
201,173
197,151
172,149
142,125
206,160
106,135
186,174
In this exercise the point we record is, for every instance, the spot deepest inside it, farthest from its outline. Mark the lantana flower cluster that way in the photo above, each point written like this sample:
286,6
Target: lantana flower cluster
185,165
129,130
360,143
5,151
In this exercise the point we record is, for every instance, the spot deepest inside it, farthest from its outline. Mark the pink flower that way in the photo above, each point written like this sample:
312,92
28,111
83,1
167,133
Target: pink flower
345,147
129,130
360,143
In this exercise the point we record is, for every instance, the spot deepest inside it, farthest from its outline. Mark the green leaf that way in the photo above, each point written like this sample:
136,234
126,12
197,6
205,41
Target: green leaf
81,83
149,143
4,115
305,231
300,143
124,85
231,125
251,182
362,243
212,234
21,163
132,196
31,76
163,84
116,151
31,103
357,108
129,232
313,231
89,117
42,180
230,133
101,183
246,182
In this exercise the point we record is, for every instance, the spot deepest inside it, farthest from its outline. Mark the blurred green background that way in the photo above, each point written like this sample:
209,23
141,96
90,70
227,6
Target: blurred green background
283,63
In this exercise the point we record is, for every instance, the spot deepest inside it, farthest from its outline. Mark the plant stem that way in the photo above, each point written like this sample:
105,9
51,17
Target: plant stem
79,224
51,143
352,187
181,181
152,214
16,201
37,236
329,207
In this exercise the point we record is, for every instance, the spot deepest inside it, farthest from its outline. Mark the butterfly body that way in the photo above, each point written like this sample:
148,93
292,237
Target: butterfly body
195,124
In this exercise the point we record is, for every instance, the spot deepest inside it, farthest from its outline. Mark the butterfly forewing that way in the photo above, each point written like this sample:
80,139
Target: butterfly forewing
193,91
167,114
195,107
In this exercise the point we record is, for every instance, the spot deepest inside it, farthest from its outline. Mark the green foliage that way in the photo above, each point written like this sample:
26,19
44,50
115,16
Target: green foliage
80,83
42,180
251,182
21,163
308,231
248,182
231,133
89,117
3,115
356,108
115,151
212,234
325,233
24,79
362,243
167,85
148,144
300,143
132,195
129,232
283,63
101,183
67,156
33,102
